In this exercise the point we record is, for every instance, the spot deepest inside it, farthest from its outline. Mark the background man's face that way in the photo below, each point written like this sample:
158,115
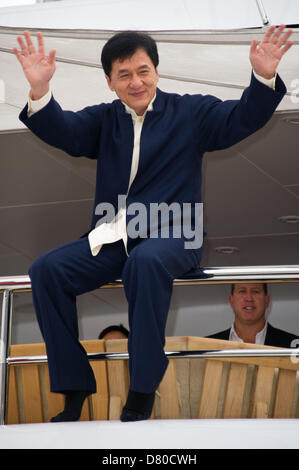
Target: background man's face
134,80
249,302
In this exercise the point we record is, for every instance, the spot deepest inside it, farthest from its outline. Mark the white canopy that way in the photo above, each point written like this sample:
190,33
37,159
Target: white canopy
156,15
135,14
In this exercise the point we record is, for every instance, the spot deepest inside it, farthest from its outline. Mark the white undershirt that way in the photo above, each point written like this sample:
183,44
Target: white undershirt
259,339
116,229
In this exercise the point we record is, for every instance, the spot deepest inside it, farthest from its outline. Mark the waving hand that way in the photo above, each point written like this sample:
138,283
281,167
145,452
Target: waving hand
38,68
265,57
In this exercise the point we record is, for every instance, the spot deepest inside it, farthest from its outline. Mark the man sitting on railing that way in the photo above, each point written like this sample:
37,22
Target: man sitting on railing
249,303
149,146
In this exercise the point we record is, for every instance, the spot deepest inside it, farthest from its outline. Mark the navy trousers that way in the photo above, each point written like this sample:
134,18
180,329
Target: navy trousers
65,272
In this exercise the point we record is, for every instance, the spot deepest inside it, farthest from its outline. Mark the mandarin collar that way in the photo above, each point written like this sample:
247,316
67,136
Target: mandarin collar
156,104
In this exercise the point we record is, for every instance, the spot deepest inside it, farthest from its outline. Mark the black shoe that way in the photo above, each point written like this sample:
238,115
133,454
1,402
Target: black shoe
73,406
66,416
131,415
138,406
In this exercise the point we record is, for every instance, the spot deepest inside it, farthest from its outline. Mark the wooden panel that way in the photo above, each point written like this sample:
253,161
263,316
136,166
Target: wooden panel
12,416
183,387
29,384
54,401
284,394
193,387
222,391
195,343
249,392
85,415
39,404
263,392
235,391
173,343
33,349
98,401
261,410
19,387
32,394
118,374
169,401
211,388
197,370
115,408
174,387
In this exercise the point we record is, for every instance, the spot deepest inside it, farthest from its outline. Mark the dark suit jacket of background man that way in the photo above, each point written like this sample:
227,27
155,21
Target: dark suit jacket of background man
274,337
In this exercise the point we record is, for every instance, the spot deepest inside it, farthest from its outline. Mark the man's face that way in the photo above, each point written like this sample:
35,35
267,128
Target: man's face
134,80
249,302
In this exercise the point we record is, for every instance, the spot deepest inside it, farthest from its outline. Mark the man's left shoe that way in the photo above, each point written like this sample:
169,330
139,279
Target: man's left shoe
131,415
138,406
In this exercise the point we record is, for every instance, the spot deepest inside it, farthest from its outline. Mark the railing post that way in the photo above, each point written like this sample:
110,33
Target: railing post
4,346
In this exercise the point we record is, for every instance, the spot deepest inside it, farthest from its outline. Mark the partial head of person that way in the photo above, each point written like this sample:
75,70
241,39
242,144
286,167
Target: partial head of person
114,332
249,302
130,60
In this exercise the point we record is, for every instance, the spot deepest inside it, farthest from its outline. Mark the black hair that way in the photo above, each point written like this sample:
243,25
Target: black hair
265,287
125,44
120,328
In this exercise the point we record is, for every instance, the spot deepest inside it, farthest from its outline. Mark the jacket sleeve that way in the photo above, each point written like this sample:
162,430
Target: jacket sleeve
77,133
220,124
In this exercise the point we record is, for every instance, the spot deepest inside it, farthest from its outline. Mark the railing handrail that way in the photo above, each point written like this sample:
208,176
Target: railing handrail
203,353
217,274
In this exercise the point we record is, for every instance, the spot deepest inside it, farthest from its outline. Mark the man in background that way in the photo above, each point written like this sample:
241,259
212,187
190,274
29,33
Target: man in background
114,332
249,303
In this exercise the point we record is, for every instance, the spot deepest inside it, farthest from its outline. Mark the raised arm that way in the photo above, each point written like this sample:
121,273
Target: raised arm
77,133
37,67
220,124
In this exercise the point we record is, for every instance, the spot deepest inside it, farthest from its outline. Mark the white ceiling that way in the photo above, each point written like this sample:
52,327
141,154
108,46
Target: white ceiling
46,197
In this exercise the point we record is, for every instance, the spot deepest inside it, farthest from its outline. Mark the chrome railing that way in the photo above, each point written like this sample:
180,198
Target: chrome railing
11,284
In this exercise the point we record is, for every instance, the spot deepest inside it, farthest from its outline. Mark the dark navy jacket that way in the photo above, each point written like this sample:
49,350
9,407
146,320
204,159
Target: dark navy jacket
274,337
174,137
